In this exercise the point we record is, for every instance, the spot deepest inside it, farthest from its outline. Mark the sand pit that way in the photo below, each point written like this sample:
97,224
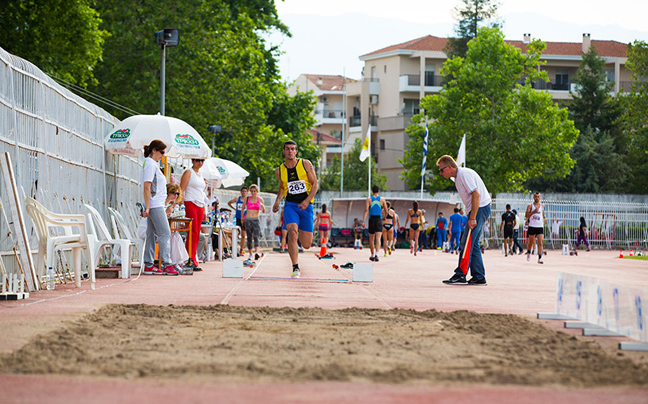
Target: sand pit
227,343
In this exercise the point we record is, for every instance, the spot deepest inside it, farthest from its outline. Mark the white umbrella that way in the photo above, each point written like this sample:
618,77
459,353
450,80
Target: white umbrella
133,133
232,174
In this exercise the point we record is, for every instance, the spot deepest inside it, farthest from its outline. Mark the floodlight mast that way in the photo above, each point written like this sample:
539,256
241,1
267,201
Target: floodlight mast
166,37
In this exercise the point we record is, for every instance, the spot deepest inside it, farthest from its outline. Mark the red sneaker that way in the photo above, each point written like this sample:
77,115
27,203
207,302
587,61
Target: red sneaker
169,270
152,270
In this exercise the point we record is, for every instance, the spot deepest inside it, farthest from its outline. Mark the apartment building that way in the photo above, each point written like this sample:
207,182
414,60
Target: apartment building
329,111
397,77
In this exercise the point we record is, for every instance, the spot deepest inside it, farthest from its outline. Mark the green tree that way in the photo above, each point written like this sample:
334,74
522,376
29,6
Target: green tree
635,125
513,133
223,72
599,150
471,17
356,173
61,37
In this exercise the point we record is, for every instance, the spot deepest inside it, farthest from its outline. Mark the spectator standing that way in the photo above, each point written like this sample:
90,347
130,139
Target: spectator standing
157,225
374,207
455,225
193,186
516,232
441,230
509,222
238,208
582,233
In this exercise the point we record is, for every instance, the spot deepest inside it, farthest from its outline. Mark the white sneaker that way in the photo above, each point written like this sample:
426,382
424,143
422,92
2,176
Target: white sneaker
295,274
528,257
540,261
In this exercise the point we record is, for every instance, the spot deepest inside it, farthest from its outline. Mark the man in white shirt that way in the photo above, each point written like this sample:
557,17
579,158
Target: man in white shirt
477,200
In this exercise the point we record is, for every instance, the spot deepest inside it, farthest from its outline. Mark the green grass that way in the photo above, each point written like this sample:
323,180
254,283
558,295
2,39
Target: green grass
634,257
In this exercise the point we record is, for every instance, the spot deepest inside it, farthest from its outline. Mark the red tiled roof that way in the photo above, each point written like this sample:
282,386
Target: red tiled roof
329,83
433,43
324,137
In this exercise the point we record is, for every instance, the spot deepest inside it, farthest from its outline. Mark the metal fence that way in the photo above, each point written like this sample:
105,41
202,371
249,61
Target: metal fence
610,225
55,140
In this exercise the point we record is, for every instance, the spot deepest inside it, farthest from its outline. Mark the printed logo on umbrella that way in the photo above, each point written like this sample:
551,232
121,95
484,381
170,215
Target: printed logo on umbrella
220,169
186,139
120,134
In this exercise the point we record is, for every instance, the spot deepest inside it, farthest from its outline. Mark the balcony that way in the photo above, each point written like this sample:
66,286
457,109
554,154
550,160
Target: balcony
356,120
412,83
374,86
398,122
331,116
627,85
551,85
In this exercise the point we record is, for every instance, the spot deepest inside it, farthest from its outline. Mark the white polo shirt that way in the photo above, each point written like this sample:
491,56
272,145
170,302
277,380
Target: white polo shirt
466,181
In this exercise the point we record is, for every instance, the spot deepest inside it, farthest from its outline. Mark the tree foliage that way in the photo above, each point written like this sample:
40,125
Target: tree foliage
471,17
513,133
600,150
634,122
222,72
356,173
61,37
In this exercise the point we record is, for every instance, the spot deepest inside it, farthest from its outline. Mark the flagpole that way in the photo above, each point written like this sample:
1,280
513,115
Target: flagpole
369,134
425,142
343,129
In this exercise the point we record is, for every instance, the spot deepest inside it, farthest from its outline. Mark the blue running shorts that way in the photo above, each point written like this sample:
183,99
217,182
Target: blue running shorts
303,218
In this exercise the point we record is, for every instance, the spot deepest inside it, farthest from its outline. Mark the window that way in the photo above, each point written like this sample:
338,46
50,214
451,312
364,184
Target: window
382,144
562,81
429,75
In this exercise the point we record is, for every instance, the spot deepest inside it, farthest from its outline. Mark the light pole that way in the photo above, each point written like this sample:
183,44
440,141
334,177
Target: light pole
166,37
214,129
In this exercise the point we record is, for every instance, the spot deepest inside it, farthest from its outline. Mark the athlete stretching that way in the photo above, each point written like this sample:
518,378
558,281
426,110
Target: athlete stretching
298,183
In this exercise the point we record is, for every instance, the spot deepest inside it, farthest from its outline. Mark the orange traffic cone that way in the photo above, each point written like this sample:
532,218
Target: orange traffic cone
631,253
621,253
323,249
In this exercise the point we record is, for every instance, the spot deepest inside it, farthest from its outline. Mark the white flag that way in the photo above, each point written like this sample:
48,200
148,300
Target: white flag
365,145
461,157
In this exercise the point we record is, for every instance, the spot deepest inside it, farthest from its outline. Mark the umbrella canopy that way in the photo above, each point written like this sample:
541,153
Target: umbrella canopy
231,173
134,132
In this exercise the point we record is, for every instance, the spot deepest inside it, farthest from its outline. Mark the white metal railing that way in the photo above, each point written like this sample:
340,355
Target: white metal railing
55,139
610,224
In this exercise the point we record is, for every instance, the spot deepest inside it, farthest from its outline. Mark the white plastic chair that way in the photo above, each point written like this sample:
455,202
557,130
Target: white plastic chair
120,229
49,226
99,237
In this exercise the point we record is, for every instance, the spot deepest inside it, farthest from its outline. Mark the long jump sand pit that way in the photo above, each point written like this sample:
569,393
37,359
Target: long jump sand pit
229,343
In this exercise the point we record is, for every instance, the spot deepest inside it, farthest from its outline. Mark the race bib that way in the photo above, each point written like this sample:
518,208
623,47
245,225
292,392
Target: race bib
297,187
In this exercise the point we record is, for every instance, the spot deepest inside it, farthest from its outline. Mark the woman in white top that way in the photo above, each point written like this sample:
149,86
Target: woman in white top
193,188
154,190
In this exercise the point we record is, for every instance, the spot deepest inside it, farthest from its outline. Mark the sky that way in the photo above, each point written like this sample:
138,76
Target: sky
328,37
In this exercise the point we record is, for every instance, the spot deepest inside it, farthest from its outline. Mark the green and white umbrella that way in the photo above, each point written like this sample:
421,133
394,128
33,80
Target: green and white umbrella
133,133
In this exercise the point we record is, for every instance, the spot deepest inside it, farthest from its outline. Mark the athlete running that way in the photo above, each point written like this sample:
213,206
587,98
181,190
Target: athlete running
298,184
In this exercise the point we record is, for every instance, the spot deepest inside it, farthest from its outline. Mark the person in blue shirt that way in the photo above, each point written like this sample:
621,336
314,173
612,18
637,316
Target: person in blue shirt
441,229
464,222
456,225
375,207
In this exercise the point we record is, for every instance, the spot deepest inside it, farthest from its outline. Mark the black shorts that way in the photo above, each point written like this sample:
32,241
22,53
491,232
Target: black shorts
238,222
375,224
534,231
414,226
508,232
388,226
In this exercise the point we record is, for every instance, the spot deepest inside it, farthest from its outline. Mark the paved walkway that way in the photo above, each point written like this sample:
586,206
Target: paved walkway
400,281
